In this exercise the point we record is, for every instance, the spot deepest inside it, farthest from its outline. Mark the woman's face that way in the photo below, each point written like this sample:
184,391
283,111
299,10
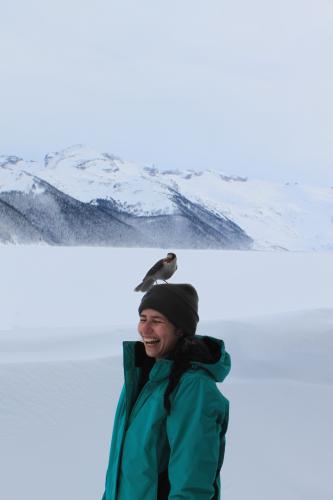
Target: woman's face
158,334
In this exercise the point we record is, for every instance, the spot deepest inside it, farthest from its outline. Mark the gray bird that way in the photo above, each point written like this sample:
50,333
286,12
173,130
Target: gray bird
162,270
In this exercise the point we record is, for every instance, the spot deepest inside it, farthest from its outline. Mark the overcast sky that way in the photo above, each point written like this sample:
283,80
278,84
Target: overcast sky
241,86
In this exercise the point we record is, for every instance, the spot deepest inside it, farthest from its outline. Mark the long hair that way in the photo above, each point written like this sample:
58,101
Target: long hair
187,349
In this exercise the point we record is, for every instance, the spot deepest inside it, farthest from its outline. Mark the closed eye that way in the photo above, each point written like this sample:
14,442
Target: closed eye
153,320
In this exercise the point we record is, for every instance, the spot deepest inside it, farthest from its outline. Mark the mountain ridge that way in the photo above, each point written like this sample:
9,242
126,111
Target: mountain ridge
202,209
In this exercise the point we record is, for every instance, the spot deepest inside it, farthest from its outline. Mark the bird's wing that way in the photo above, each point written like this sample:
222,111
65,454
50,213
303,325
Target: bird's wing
156,267
145,285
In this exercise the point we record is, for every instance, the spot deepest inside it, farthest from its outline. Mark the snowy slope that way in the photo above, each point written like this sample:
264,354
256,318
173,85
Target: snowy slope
288,216
74,206
15,176
64,315
87,175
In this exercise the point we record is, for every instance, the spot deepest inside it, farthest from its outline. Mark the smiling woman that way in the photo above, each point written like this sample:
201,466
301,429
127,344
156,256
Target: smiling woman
168,437
159,335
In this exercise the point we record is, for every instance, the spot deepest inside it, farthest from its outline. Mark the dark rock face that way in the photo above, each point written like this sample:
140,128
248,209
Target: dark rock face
15,227
191,226
46,214
58,219
219,232
9,160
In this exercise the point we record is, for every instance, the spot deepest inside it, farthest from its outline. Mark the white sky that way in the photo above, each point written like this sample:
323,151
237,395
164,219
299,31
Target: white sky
240,86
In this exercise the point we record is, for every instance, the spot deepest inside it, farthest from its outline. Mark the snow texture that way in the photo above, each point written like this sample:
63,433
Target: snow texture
64,315
275,216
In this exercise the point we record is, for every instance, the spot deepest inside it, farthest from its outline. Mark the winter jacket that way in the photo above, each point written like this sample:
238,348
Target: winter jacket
156,456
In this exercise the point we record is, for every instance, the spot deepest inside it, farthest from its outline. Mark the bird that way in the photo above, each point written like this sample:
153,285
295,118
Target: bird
162,270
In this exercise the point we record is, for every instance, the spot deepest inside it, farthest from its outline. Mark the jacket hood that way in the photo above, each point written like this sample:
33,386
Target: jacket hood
219,365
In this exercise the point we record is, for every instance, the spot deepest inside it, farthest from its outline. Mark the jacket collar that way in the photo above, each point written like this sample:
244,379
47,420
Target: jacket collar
135,357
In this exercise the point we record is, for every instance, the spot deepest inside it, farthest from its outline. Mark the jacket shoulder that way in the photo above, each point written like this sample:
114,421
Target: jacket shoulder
199,385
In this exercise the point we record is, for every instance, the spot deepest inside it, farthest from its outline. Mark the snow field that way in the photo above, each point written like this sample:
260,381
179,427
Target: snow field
64,315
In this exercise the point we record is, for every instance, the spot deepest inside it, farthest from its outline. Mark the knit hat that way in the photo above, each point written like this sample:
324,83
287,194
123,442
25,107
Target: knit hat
178,302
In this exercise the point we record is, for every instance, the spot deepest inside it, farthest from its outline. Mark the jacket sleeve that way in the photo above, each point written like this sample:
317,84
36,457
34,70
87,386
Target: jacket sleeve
195,434
118,428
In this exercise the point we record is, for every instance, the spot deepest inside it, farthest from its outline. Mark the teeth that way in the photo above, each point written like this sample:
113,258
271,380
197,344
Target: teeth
151,341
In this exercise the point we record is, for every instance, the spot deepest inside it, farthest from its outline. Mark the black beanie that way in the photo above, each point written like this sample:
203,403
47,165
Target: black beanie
178,302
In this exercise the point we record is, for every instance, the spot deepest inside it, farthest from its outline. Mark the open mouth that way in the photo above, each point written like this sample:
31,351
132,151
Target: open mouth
151,342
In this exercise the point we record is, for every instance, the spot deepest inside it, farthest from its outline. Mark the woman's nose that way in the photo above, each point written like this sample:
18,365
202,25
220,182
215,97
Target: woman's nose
146,327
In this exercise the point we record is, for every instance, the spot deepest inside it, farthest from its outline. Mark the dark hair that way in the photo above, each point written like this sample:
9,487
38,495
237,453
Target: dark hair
187,349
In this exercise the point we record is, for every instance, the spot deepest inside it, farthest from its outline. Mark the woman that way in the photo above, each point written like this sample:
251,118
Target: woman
169,431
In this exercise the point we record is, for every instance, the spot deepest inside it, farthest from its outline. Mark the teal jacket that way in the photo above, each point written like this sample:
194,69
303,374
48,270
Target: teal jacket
157,456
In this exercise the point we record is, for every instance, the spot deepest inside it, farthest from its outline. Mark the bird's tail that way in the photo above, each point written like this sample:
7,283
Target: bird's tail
145,285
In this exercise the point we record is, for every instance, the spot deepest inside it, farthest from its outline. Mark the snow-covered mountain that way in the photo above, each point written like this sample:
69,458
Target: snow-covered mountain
79,196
